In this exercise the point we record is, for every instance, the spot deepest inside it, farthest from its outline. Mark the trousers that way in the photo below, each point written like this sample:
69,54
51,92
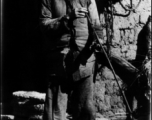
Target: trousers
81,101
61,90
56,102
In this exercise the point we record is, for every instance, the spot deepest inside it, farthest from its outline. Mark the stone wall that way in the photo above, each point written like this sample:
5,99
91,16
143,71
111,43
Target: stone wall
126,29
108,98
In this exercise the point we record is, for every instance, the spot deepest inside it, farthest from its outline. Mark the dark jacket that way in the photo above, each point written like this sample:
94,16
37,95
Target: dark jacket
57,31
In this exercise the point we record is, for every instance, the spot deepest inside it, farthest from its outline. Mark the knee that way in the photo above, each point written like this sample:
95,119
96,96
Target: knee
88,112
90,106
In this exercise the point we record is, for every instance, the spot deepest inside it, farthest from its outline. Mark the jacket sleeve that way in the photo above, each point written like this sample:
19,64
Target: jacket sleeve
50,25
93,13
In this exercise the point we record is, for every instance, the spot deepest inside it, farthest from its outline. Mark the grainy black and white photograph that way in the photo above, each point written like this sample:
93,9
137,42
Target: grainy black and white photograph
75,60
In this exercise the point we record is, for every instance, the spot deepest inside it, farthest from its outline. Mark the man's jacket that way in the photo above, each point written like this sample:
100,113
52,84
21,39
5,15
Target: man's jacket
58,32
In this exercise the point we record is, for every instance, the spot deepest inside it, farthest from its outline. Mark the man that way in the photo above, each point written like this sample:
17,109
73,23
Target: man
69,60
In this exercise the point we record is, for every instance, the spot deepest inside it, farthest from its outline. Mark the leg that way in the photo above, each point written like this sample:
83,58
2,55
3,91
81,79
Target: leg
60,105
48,112
56,102
82,100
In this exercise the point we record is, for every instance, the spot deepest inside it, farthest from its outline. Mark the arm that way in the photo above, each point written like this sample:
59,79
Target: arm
50,25
93,13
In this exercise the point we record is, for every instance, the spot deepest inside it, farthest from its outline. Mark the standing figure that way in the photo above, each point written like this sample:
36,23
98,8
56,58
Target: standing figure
69,61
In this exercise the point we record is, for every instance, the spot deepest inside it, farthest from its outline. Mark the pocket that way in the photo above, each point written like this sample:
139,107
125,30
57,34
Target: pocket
83,71
91,58
87,69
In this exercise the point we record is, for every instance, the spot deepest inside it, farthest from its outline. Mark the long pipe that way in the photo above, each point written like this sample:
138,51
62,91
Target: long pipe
122,92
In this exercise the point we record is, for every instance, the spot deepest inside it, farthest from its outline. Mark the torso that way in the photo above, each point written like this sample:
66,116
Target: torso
80,24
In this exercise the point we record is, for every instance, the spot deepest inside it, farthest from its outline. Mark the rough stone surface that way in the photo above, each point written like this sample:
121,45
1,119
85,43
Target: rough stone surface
108,98
7,117
126,29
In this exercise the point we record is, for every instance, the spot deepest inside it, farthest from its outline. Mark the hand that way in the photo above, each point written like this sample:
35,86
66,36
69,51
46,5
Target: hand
79,13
